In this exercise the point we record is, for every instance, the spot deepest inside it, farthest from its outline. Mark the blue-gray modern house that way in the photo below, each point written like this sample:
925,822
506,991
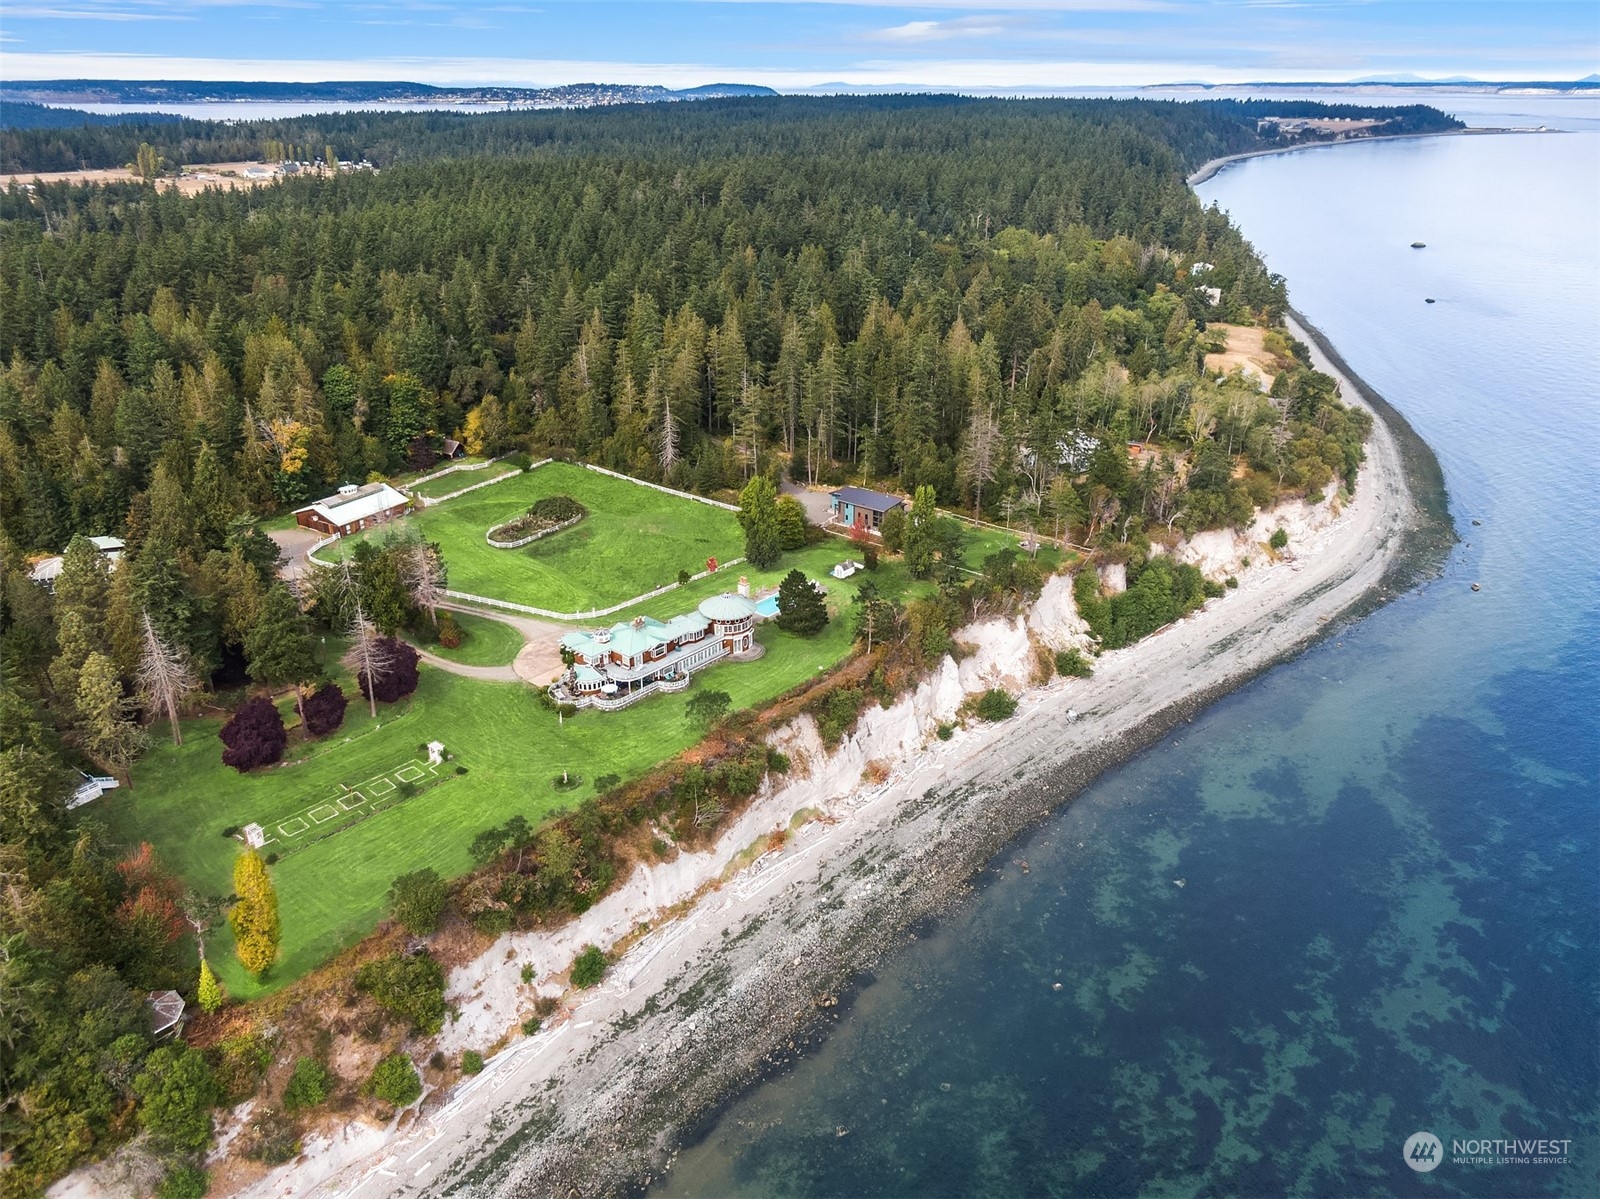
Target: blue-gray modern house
858,508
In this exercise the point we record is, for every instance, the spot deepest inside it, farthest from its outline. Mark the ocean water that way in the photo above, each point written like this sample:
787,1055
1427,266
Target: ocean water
1356,900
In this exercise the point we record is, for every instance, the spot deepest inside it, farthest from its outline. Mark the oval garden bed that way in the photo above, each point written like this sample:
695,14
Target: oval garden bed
549,515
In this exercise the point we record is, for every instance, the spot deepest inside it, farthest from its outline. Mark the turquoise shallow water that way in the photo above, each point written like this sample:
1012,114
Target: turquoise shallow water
1357,899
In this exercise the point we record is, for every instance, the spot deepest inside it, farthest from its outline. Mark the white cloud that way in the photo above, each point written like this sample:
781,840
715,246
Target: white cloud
33,13
914,32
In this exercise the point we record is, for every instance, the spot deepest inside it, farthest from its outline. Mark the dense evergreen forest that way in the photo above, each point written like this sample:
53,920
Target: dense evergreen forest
25,114
1194,131
988,299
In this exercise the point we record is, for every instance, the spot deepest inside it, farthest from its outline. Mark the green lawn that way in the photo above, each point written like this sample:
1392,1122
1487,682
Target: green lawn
456,480
634,539
331,891
486,642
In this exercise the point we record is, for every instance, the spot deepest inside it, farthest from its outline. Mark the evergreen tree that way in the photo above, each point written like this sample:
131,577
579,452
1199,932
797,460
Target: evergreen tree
176,1091
416,899
801,609
110,736
213,501
280,648
792,523
209,990
920,545
758,513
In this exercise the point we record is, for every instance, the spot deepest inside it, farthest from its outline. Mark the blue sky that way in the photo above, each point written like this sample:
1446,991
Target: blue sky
792,46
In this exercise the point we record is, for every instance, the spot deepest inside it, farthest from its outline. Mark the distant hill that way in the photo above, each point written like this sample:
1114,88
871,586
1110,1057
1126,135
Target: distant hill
196,91
24,114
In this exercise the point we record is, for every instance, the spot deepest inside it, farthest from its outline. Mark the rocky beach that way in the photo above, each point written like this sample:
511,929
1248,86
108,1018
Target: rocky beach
733,960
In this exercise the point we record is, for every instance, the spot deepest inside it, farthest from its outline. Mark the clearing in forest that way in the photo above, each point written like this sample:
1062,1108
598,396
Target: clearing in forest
634,539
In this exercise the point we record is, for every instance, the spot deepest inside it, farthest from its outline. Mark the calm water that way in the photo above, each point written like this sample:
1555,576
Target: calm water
1390,911
1476,109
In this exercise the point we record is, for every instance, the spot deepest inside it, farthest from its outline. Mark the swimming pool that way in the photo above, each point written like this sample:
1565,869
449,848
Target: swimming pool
768,607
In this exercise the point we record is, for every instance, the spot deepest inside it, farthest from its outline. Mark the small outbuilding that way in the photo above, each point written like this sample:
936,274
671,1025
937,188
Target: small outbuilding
453,448
46,570
858,508
353,509
166,1012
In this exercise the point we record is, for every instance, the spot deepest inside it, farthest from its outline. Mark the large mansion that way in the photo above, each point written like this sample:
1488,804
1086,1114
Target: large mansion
611,668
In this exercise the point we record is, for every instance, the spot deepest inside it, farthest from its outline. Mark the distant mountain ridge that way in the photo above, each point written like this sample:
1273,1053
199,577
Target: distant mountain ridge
197,91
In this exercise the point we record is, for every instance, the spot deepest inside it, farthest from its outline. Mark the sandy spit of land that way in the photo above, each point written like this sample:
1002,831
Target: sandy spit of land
194,179
1216,164
734,973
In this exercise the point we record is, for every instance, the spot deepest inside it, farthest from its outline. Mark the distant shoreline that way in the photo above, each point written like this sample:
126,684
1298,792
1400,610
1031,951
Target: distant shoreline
1210,169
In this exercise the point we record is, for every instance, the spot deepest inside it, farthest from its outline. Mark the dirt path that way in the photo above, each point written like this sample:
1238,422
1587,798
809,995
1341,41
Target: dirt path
540,658
487,674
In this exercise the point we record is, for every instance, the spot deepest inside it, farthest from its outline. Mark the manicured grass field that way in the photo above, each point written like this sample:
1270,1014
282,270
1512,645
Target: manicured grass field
456,480
634,540
487,642
332,891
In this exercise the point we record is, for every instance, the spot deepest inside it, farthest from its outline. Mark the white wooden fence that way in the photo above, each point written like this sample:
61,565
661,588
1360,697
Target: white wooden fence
518,543
687,495
428,501
448,470
592,613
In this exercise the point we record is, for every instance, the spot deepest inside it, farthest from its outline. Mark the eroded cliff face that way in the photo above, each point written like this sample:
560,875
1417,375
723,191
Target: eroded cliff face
1223,552
1001,652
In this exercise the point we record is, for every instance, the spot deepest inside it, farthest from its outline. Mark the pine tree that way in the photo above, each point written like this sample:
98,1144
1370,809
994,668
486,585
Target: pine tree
211,498
110,737
920,544
254,918
801,609
209,991
280,648
758,513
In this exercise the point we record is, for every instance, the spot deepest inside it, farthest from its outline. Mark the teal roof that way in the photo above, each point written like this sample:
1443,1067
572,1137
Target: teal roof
586,674
629,641
686,625
727,606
